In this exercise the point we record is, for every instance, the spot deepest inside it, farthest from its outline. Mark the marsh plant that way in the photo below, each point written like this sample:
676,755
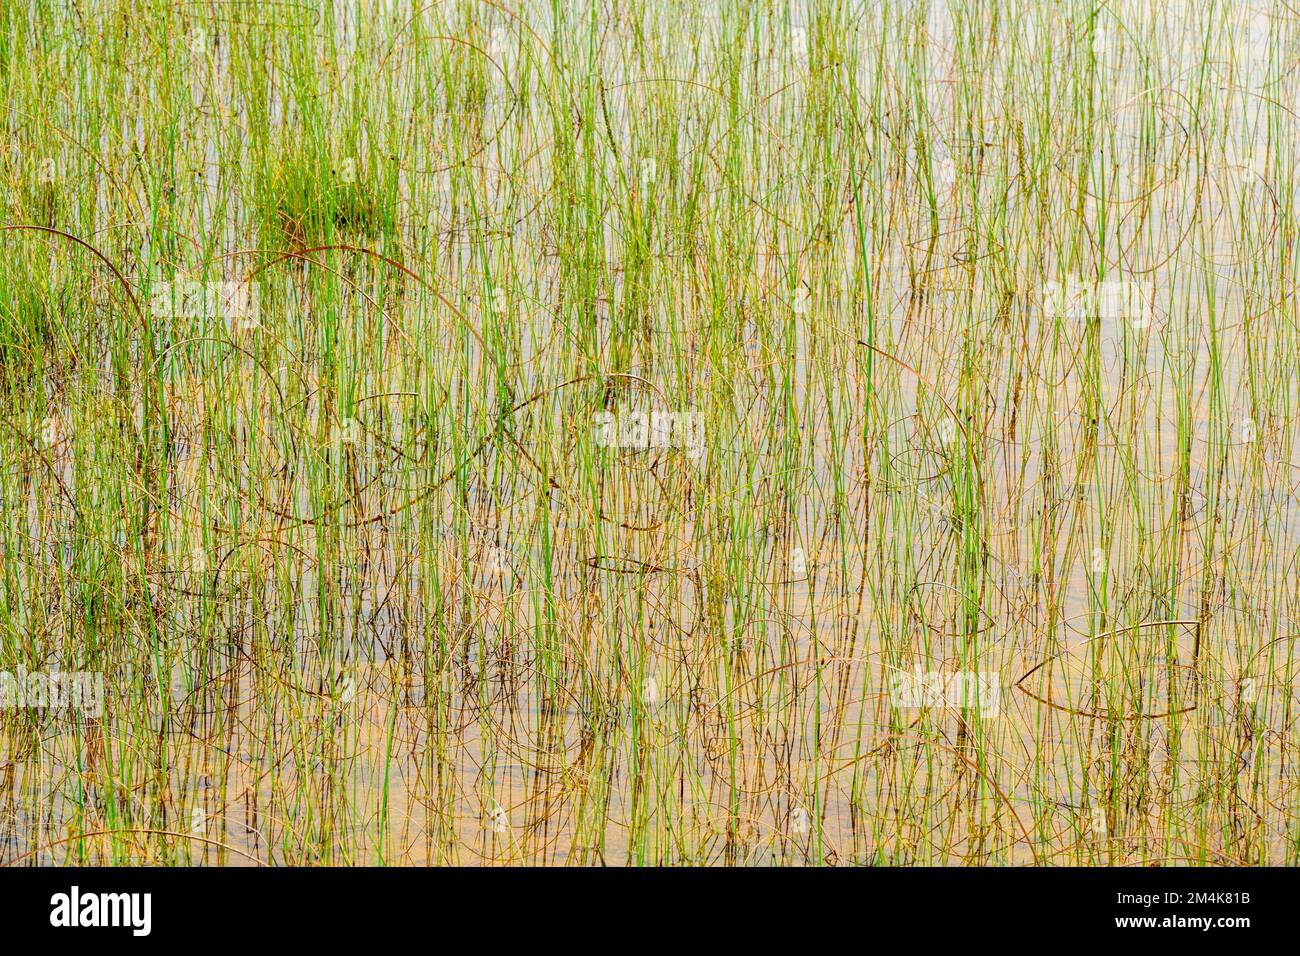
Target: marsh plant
650,432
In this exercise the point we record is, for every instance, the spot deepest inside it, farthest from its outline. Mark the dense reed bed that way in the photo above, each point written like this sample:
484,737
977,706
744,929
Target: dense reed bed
639,433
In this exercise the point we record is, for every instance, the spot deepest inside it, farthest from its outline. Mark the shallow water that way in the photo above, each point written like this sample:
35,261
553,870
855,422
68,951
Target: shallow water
434,638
